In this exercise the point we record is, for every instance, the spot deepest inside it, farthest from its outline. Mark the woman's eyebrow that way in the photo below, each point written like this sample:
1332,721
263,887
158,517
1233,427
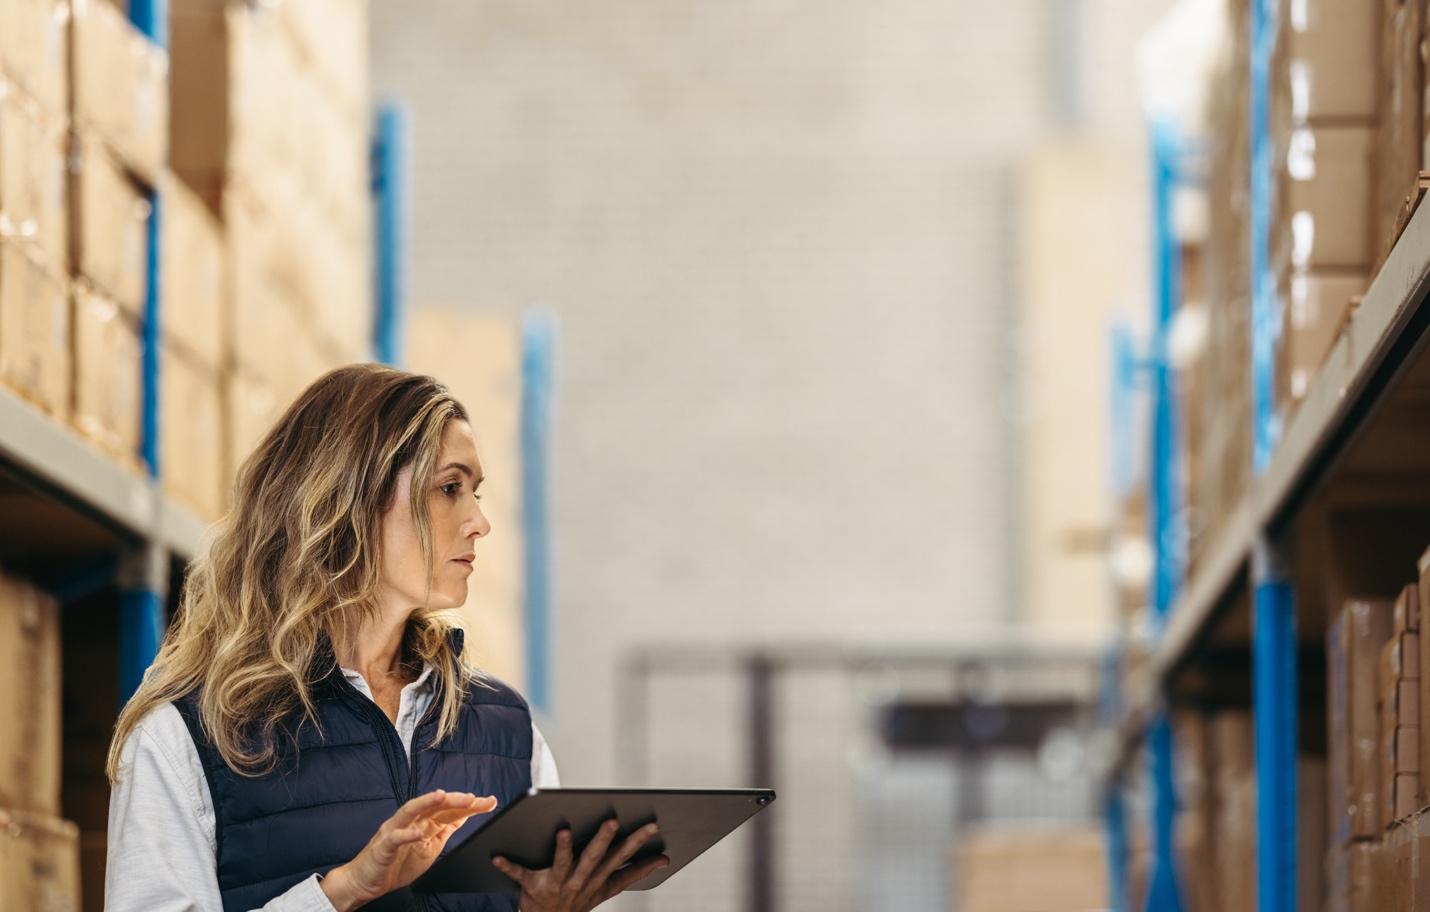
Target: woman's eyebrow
465,468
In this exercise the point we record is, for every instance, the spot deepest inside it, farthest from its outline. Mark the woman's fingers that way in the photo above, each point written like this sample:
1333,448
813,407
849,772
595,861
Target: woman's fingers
632,844
419,806
462,810
511,869
624,880
442,806
561,865
594,853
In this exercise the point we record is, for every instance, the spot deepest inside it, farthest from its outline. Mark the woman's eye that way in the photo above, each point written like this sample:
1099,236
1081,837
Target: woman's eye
450,488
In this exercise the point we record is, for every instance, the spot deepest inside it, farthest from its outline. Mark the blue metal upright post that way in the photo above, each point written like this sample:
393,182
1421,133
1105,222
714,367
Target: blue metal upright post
1275,723
144,577
1274,652
537,369
1163,894
1265,316
390,193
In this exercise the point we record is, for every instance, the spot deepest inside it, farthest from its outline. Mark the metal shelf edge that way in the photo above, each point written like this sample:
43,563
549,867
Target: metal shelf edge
42,449
1332,400
1337,390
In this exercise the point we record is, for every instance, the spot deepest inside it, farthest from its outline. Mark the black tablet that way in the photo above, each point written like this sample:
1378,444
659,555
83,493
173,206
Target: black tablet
691,821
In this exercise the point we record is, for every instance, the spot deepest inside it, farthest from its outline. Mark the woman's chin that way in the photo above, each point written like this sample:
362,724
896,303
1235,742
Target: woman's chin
450,597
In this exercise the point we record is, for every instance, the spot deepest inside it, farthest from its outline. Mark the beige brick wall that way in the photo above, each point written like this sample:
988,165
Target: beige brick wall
782,240
776,236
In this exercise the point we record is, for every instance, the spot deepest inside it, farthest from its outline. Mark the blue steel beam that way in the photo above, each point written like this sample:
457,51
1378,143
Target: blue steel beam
1273,602
537,368
142,598
1264,311
390,194
1274,704
1164,894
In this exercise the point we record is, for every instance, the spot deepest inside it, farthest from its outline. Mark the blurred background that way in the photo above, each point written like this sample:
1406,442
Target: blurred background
856,385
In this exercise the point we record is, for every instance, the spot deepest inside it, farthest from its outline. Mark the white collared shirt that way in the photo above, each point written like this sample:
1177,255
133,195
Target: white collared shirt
162,829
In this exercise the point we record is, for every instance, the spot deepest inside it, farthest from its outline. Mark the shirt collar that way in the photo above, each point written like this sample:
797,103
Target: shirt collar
423,682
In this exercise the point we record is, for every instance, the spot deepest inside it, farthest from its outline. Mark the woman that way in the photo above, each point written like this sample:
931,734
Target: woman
309,736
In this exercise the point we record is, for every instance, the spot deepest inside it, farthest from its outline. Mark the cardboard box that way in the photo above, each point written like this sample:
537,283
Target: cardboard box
39,863
191,431
34,331
1407,610
192,274
32,179
1402,655
255,327
1323,219
1400,141
110,237
29,699
1356,637
1339,746
1423,598
120,85
1404,749
230,101
1311,827
332,36
34,52
1350,876
1328,69
992,865
107,375
1318,307
250,408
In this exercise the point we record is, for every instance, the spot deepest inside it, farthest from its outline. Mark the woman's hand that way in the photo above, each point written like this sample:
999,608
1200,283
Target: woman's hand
594,879
403,847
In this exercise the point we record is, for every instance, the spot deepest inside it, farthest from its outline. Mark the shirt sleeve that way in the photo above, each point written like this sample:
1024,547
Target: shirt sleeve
161,848
543,764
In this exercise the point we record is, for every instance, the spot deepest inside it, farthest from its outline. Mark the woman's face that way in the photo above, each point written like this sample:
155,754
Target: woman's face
457,522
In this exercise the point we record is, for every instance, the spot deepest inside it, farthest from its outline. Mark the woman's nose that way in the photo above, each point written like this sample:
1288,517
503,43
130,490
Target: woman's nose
477,525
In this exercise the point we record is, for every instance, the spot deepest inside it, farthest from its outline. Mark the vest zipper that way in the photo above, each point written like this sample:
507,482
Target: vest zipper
393,754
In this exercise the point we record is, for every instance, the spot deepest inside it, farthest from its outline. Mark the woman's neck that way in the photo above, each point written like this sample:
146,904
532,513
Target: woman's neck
376,652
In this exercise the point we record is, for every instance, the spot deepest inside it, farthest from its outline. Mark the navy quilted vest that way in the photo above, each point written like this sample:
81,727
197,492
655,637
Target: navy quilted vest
323,802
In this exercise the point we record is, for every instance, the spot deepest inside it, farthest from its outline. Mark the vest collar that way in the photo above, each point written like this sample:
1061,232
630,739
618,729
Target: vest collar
325,662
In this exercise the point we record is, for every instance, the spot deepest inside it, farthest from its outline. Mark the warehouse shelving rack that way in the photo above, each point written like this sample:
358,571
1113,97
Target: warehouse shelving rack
1340,492
86,521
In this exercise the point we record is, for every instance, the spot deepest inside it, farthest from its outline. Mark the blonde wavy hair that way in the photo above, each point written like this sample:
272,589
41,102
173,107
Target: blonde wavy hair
295,560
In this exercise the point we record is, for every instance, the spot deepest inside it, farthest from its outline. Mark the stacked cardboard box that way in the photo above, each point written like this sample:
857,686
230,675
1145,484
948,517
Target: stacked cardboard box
38,851
118,106
269,127
1217,402
1234,788
991,865
1324,103
191,434
39,862
1195,835
1400,138
34,308
1398,704
1355,639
